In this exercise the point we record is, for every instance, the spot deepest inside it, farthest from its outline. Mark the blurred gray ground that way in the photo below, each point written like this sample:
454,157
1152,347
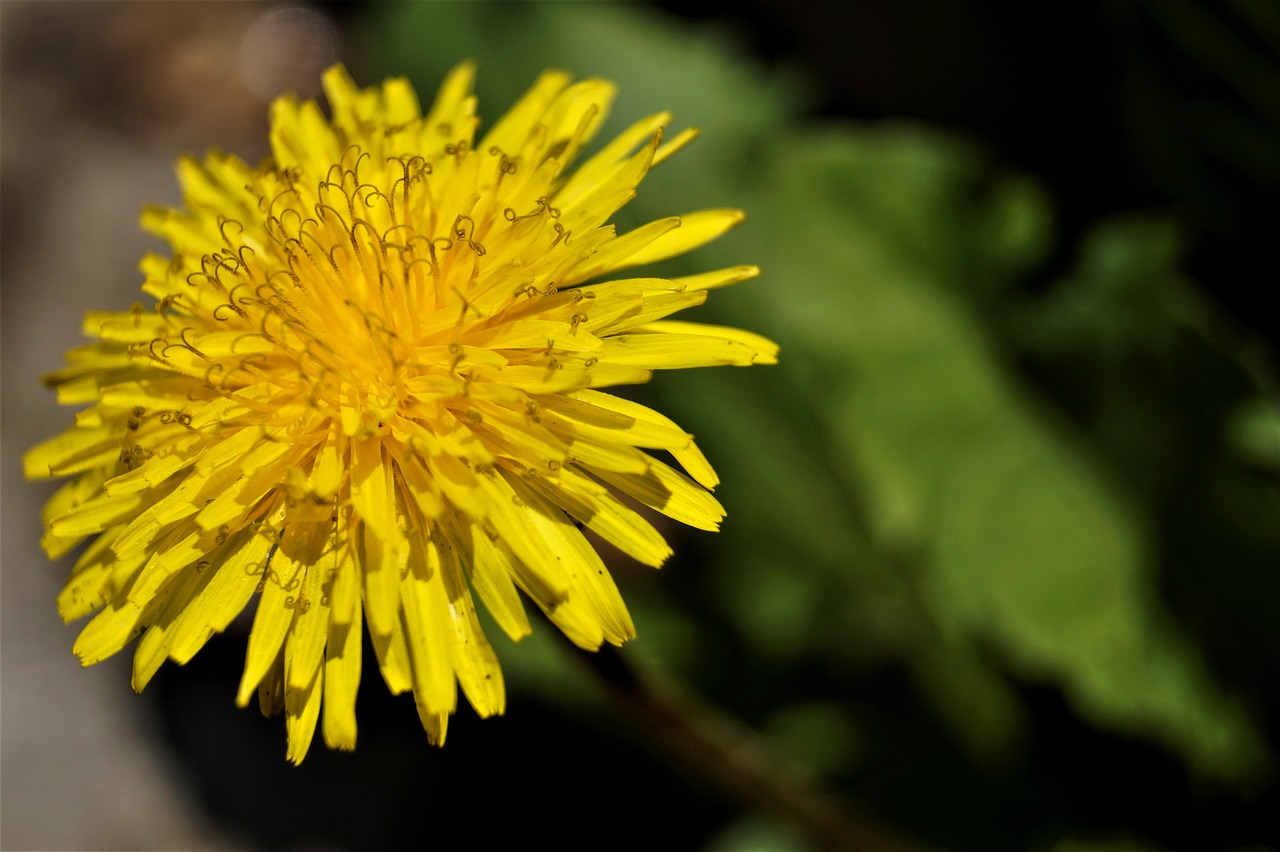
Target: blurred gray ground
97,101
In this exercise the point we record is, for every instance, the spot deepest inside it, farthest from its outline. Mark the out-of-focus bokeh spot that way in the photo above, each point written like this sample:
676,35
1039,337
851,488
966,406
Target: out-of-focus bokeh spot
286,49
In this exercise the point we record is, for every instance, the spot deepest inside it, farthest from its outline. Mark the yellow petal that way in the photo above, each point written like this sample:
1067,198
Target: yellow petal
675,145
593,609
492,568
670,493
155,644
385,559
94,516
344,594
150,474
469,651
302,709
394,662
593,506
618,253
299,548
425,625
71,452
109,631
304,649
539,570
679,351
695,229
371,493
86,590
511,130
718,278
453,101
233,577
766,351
342,680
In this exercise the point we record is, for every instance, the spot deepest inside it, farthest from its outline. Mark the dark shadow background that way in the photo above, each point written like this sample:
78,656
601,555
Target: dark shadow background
1170,106
1114,106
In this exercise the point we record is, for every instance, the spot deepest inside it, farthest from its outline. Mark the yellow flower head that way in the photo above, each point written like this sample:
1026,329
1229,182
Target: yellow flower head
368,389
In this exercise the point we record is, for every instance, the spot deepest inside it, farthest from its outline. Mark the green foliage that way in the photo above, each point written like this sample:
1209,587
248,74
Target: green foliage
1021,543
755,834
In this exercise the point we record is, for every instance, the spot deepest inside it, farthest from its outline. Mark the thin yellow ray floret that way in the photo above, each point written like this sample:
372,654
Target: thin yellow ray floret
342,678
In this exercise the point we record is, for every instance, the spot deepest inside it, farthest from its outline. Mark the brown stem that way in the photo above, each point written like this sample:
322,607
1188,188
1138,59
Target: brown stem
734,758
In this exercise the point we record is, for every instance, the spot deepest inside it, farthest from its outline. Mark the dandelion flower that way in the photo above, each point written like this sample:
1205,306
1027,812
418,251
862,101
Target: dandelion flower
368,390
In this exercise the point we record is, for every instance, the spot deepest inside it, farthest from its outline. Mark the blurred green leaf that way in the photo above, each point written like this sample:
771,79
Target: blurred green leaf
1201,31
1257,432
757,833
1024,544
822,734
